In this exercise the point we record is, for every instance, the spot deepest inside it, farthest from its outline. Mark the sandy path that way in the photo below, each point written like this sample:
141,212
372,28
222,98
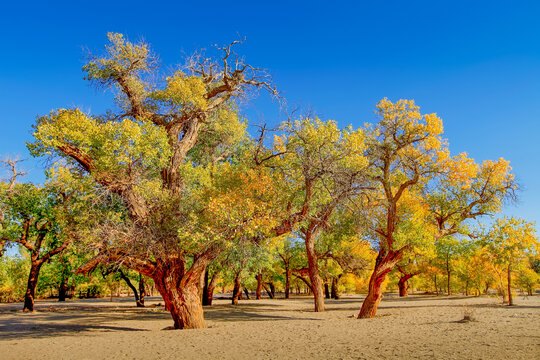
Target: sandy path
415,327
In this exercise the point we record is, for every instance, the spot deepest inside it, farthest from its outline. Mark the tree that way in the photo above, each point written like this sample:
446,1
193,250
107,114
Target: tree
322,167
156,153
404,150
44,220
509,241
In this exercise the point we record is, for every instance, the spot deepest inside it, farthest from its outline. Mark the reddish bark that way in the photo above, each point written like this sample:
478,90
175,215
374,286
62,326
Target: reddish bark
314,274
258,292
383,265
403,284
209,286
237,292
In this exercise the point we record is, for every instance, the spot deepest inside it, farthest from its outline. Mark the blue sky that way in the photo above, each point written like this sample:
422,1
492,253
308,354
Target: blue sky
477,64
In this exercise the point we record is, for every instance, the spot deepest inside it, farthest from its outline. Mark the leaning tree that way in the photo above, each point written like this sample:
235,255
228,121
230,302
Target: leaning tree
165,152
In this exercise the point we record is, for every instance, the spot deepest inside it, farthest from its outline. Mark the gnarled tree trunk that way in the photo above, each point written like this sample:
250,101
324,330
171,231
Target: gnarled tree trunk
403,284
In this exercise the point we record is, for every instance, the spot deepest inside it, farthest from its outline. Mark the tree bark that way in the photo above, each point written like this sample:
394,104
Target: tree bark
142,290
326,291
384,263
237,292
314,275
287,282
403,284
31,285
258,292
510,299
448,291
269,291
132,287
209,286
335,289
62,289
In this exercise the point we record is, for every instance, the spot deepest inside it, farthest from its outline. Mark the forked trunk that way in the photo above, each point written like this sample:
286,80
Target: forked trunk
182,300
31,286
246,292
258,292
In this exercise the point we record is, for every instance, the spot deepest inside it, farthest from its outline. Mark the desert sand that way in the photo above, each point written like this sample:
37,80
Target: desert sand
416,327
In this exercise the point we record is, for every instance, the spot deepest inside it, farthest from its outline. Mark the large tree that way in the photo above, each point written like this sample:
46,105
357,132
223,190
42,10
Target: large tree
163,152
405,149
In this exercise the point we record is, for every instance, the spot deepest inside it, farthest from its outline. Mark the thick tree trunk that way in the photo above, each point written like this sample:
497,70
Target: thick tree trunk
258,292
510,299
181,297
383,265
287,283
335,290
31,286
62,289
314,275
237,292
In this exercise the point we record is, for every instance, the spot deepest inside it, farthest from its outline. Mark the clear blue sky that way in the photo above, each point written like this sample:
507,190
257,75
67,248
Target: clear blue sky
475,63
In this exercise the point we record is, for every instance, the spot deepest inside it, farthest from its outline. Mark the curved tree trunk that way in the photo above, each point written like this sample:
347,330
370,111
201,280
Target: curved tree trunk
403,284
31,286
246,292
132,287
383,265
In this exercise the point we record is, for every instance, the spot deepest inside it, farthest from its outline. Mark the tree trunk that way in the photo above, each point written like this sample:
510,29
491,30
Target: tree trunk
259,286
403,285
326,291
315,277
246,292
62,289
335,290
510,299
181,297
448,276
237,292
383,265
142,290
132,287
268,291
31,286
436,286
208,290
287,282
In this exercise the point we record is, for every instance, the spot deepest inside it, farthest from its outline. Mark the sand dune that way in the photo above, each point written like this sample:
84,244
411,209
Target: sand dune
417,327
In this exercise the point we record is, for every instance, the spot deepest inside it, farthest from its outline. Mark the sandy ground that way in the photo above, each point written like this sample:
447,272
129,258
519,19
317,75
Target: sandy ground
417,327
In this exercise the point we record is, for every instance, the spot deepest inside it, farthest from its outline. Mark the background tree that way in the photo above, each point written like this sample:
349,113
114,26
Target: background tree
509,241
